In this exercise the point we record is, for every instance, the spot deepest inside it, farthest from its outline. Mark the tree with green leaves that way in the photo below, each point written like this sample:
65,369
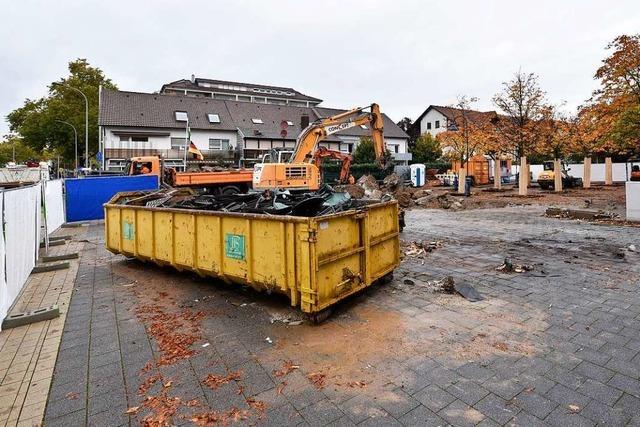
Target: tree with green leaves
13,149
426,149
366,154
37,121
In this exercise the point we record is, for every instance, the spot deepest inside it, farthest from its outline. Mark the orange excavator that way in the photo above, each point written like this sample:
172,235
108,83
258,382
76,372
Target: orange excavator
302,170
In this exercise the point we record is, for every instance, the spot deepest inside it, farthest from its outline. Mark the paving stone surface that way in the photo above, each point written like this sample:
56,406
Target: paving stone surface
28,353
558,345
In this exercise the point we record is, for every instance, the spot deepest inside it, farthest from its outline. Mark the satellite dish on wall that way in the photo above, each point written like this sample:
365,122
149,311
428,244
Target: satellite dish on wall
284,125
283,133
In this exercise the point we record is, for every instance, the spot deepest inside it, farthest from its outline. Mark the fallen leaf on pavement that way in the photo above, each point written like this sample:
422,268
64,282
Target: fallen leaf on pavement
281,387
359,384
574,408
133,410
71,395
287,368
215,381
193,402
317,379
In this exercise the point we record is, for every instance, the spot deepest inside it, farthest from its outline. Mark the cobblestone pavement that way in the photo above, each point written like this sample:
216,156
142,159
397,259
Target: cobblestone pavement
558,345
28,352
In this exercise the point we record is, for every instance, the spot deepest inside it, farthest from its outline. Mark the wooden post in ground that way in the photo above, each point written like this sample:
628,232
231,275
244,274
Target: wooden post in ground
557,175
462,177
497,178
523,181
586,173
608,171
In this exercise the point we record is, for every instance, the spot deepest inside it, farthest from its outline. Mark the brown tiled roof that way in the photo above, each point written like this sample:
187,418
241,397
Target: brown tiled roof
134,109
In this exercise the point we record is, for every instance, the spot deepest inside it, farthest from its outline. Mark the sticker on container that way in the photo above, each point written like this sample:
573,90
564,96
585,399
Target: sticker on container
128,230
234,246
324,225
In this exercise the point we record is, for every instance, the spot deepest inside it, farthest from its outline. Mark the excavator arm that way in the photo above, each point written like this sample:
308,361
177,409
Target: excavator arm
308,141
302,171
324,153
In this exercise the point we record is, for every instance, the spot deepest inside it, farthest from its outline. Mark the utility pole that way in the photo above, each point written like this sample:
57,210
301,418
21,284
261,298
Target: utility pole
86,122
75,137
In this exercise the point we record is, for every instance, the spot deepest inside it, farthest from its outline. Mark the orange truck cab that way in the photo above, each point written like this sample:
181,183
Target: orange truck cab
228,181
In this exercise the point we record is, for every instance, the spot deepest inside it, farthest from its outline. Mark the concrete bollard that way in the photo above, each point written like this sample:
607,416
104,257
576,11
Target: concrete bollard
462,175
586,174
608,171
497,182
557,175
523,181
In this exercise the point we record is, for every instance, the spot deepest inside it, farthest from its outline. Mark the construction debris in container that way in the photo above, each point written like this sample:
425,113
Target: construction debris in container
305,204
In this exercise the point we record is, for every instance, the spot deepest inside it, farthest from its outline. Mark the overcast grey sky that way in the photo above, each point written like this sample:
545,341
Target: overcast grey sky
404,55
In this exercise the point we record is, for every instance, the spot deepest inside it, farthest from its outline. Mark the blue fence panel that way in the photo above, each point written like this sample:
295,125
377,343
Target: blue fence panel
85,196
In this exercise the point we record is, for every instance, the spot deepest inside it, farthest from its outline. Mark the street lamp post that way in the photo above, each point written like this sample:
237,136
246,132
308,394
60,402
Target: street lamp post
75,138
86,123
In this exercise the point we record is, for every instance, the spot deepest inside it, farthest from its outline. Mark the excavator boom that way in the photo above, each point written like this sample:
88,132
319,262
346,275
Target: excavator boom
302,170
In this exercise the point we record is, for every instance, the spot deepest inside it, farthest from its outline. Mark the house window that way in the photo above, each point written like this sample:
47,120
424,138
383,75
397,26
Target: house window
181,116
213,118
437,124
140,138
289,122
218,144
224,96
177,143
396,148
428,125
124,138
244,98
257,121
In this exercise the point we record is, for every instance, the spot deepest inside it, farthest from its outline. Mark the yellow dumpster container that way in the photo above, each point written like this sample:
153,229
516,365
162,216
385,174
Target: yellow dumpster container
316,261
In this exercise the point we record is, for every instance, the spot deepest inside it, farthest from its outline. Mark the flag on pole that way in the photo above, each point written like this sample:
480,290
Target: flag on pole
194,150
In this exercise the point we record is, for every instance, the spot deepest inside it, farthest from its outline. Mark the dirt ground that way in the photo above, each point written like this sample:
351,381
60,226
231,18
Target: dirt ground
607,199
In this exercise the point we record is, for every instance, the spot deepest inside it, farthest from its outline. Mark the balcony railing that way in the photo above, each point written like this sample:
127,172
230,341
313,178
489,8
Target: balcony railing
127,153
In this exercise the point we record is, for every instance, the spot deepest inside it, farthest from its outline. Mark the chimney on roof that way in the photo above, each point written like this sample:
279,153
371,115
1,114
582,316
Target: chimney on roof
304,121
193,78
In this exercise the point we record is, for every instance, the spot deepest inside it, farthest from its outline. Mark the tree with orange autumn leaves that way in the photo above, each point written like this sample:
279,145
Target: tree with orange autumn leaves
612,115
468,132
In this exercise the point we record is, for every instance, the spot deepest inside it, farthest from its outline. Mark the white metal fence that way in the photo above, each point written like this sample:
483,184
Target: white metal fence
22,211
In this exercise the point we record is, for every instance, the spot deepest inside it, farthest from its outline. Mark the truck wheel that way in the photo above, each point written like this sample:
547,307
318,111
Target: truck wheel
230,190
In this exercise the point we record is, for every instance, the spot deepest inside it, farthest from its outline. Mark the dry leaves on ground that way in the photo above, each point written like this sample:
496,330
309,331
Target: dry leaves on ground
222,418
214,381
287,367
317,379
281,387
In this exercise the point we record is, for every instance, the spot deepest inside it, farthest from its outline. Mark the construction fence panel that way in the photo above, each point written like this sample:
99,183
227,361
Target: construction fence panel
20,241
53,204
85,196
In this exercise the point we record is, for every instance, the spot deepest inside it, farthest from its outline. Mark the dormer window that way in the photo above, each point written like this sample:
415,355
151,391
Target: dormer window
181,116
213,118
